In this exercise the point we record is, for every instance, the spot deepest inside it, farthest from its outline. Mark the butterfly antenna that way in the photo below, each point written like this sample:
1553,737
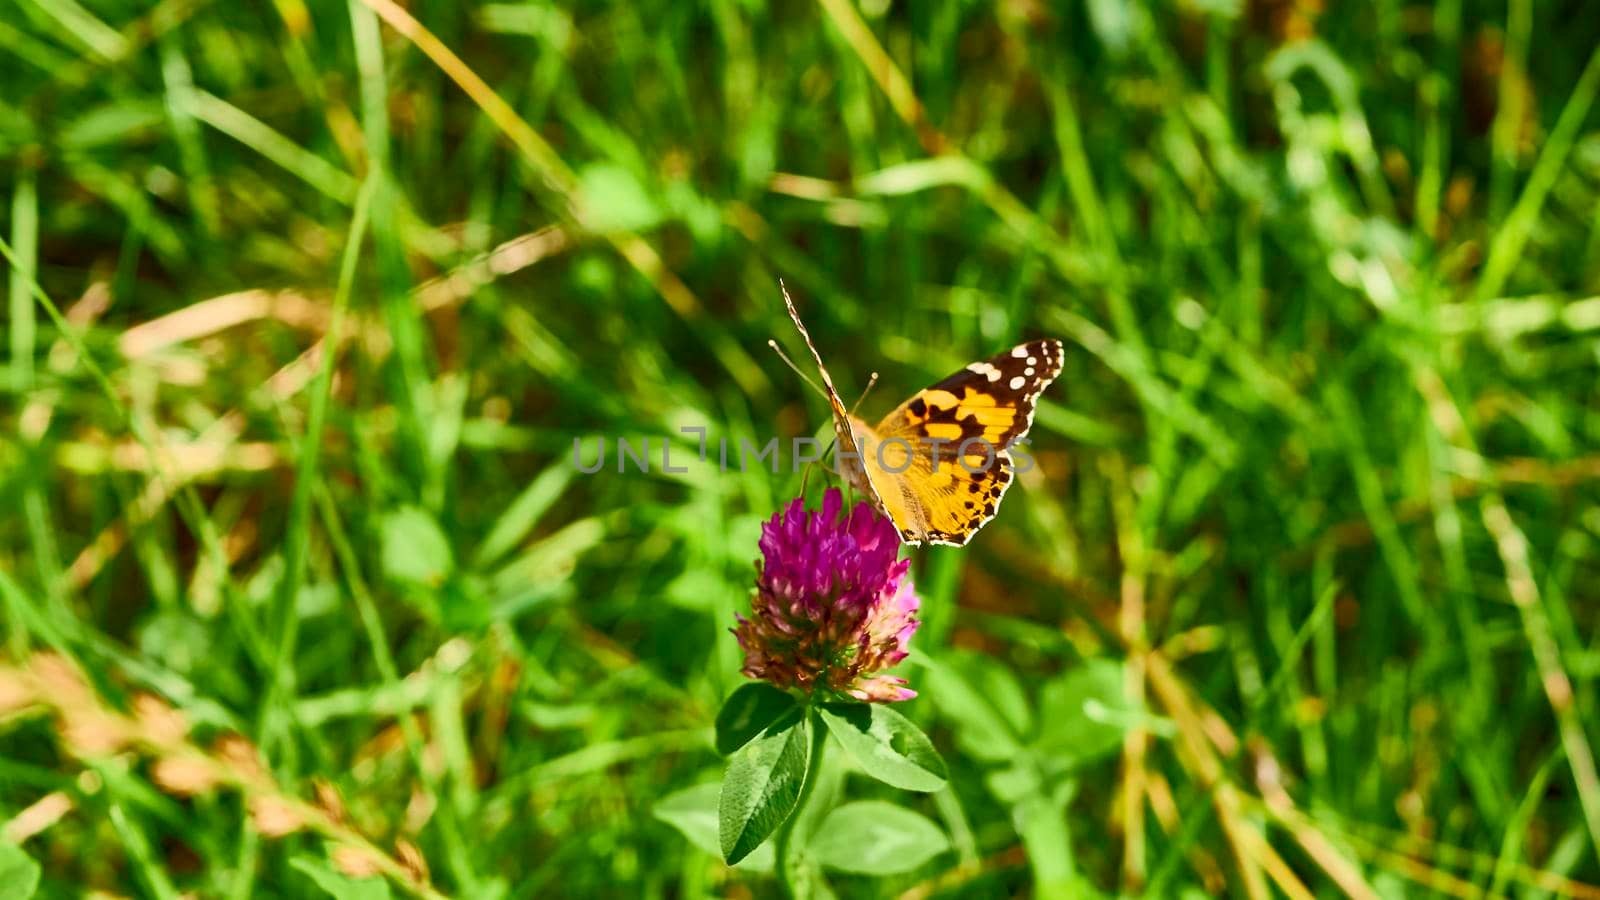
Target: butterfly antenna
870,382
803,376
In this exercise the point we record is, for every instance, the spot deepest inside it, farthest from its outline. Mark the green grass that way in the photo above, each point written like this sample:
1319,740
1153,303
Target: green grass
1301,598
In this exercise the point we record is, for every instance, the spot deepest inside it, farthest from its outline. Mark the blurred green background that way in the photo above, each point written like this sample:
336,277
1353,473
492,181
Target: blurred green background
1300,600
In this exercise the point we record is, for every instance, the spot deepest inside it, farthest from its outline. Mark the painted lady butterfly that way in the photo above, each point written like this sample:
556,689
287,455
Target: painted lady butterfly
939,464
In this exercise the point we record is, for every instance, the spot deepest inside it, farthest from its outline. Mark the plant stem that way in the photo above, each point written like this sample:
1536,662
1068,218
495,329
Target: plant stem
819,739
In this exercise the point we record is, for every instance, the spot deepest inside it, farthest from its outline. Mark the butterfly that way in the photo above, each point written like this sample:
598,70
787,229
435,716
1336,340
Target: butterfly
939,464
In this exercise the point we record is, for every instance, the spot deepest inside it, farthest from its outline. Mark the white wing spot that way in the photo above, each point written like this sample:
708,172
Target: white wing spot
1018,382
1020,352
1033,361
985,369
1028,371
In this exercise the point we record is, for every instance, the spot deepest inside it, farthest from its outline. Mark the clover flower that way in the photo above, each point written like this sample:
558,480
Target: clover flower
834,604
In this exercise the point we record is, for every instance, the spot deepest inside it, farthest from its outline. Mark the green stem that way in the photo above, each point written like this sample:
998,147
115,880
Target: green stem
819,739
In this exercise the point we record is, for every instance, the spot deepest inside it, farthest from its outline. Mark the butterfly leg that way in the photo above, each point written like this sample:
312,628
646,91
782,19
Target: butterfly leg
805,474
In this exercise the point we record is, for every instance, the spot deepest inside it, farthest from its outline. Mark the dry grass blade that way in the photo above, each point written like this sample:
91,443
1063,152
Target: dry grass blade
1131,624
218,313
557,175
1201,761
219,442
1512,546
90,729
883,70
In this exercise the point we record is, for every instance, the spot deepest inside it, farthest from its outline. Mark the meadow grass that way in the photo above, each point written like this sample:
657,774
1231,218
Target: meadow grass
308,303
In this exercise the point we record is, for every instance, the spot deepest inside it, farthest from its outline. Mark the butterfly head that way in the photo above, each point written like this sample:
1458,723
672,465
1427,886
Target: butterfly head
851,456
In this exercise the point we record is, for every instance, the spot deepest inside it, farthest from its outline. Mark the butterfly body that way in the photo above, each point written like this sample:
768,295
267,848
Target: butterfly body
939,463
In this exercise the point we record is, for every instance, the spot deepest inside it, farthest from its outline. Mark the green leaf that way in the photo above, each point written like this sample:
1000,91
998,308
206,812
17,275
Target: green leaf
1000,685
876,838
547,562
415,549
886,745
699,589
446,408
1084,713
1041,822
693,811
1015,783
614,200
113,122
524,512
464,603
762,785
19,874
747,712
338,885
983,730
1114,24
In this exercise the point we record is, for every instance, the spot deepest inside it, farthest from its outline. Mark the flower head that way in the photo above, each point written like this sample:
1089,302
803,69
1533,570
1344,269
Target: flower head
834,604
